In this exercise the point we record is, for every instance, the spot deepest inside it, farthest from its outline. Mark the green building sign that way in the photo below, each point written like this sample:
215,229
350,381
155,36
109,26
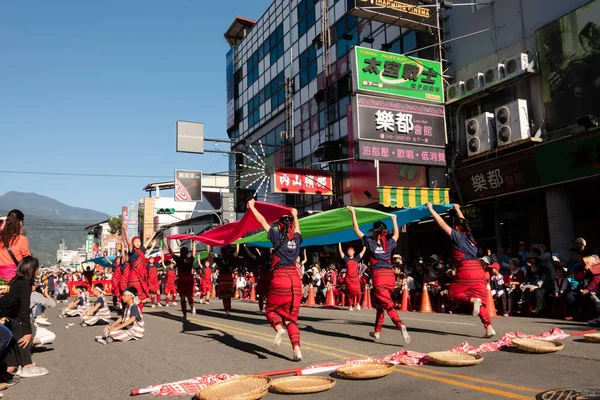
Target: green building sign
397,75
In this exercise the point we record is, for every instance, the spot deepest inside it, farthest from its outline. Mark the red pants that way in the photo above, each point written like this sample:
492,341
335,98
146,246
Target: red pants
384,282
283,301
470,283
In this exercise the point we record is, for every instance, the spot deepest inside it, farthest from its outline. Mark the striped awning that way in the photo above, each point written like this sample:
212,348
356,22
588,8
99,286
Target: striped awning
407,197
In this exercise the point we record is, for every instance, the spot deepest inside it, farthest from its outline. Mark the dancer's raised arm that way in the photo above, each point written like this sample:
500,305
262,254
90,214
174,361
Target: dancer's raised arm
355,224
261,220
439,220
396,235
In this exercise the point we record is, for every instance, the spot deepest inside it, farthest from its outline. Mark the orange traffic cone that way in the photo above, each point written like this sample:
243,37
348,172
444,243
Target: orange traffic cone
405,298
490,302
311,297
329,301
425,303
237,294
214,292
343,299
252,294
366,304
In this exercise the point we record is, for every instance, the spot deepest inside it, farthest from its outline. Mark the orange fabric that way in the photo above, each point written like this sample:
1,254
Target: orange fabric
19,247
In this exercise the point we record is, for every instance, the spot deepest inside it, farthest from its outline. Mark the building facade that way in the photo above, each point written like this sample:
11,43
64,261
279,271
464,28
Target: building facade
289,95
521,113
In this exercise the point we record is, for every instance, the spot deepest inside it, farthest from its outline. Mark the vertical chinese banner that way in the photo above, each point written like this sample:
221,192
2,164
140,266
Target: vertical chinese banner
132,219
148,218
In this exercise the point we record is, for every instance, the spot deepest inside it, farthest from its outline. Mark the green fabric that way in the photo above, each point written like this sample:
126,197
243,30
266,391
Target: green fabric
331,221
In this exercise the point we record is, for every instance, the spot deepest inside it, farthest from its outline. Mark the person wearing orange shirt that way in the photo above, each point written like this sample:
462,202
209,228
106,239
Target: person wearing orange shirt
13,245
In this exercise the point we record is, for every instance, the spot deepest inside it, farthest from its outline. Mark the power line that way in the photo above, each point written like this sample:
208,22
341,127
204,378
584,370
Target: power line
85,174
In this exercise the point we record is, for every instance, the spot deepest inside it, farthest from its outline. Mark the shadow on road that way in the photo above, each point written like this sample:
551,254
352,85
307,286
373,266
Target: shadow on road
247,347
414,330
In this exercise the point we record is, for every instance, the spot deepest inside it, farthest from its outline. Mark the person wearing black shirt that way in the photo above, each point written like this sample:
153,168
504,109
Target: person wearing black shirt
15,307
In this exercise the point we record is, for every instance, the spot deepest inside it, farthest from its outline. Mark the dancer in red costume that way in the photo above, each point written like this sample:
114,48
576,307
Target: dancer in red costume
264,275
153,282
138,264
351,261
384,280
170,284
469,286
285,288
185,278
225,286
116,281
206,280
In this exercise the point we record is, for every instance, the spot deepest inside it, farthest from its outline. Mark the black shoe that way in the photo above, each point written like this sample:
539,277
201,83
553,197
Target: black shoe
9,379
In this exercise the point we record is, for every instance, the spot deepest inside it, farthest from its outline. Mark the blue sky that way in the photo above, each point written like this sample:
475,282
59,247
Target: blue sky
97,86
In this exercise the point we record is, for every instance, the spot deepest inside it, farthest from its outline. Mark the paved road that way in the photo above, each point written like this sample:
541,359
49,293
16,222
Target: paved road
212,343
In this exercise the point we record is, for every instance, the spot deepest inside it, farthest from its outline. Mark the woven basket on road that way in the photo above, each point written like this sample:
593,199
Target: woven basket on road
241,388
592,337
455,359
366,370
302,384
530,345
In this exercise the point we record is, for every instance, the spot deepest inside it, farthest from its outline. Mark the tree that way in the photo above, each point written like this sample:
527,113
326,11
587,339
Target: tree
115,225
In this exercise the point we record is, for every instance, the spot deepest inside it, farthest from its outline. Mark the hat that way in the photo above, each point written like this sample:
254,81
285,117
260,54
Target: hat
486,260
343,271
522,244
434,257
555,257
396,256
580,240
495,265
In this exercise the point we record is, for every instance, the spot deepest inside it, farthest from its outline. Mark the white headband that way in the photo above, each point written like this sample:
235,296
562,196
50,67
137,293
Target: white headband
136,300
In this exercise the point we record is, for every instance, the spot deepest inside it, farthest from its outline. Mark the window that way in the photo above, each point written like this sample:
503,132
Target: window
347,25
306,15
254,110
308,66
272,45
276,88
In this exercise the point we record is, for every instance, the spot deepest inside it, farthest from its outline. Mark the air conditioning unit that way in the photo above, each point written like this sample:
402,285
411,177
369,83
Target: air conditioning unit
494,74
512,122
481,136
516,64
474,83
455,91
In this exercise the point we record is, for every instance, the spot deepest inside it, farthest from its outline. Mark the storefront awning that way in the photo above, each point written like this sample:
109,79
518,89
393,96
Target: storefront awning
407,197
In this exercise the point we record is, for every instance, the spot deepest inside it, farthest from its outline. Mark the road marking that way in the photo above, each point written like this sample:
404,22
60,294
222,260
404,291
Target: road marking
464,385
470,378
341,354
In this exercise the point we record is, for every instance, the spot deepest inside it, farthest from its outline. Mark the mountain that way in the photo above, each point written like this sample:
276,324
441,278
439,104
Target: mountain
47,221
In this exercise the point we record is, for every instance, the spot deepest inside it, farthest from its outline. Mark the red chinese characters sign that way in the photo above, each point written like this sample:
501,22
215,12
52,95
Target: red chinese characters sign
302,181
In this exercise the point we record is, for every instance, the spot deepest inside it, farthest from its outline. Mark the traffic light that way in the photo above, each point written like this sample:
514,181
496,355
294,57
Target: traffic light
168,211
242,196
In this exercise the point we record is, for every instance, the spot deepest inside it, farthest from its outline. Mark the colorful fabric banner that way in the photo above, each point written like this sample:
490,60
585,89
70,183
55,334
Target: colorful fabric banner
335,226
228,233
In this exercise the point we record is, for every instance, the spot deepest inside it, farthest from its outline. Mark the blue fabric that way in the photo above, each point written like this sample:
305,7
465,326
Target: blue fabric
101,261
403,217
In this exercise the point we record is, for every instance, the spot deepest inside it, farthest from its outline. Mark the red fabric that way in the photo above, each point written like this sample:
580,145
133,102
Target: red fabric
264,278
206,282
225,288
116,281
285,293
470,283
384,283
124,277
352,279
229,233
185,285
153,283
138,277
170,287
294,334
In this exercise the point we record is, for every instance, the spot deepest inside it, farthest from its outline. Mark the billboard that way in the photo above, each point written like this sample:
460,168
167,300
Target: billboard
229,65
411,14
188,185
190,137
399,131
570,66
394,74
302,181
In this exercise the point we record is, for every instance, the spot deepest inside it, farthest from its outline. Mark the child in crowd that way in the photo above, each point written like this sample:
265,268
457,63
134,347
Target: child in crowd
498,288
77,307
128,327
99,311
513,280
